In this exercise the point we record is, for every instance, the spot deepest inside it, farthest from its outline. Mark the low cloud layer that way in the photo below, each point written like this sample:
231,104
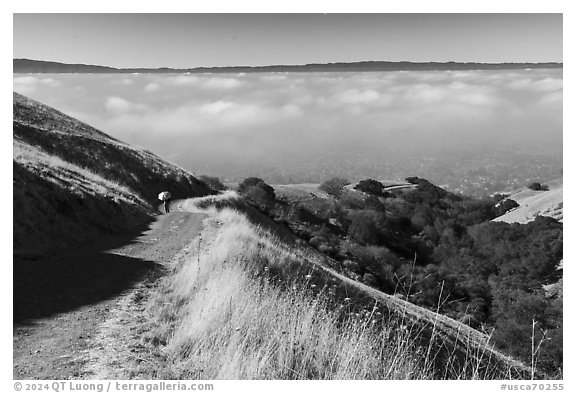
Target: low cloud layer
32,84
236,113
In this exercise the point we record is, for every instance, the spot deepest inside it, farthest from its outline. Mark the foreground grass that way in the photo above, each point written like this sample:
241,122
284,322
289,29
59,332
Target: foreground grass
222,316
229,310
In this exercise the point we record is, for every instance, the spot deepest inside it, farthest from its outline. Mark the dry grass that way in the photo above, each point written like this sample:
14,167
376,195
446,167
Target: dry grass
210,203
69,176
73,182
223,317
57,203
144,173
235,307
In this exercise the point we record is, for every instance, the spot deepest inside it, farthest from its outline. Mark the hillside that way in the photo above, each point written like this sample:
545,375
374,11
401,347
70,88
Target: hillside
437,250
73,182
533,203
38,66
288,294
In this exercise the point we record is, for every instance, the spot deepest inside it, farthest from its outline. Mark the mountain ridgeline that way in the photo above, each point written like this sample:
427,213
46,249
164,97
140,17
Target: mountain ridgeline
72,181
25,66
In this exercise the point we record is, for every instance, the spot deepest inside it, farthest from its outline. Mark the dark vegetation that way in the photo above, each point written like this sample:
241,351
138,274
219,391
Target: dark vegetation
505,206
538,186
371,187
334,186
441,251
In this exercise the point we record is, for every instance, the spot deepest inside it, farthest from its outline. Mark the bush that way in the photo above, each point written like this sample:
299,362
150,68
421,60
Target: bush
350,201
538,187
505,206
370,186
373,203
334,186
257,190
256,182
365,227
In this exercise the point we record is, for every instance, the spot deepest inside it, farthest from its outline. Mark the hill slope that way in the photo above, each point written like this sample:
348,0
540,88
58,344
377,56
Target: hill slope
533,203
248,276
72,182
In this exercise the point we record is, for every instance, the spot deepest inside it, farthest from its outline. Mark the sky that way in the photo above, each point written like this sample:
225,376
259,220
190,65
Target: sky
194,40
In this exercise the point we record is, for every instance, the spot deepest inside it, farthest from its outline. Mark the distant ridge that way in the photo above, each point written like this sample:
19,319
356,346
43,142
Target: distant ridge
26,66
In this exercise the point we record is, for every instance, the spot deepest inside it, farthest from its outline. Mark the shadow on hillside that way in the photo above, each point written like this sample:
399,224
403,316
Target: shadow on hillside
50,285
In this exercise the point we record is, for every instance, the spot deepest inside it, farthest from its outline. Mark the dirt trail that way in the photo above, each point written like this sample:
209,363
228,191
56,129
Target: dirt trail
62,303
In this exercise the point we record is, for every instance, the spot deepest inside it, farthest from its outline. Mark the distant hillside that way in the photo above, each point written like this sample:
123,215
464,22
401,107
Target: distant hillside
72,182
25,66
533,203
34,66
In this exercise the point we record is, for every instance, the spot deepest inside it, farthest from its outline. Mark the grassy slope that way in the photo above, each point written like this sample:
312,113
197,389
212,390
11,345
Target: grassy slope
262,285
533,203
73,182
306,191
242,304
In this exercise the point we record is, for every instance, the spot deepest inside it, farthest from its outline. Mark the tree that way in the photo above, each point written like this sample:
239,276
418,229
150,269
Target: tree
365,226
334,186
256,182
538,186
257,190
505,206
370,186
373,203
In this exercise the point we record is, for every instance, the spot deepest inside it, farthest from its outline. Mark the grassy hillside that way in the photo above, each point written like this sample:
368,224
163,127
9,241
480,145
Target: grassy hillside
438,251
533,203
241,302
72,182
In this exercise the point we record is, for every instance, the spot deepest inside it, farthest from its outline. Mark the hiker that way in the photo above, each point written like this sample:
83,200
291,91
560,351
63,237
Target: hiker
165,197
167,205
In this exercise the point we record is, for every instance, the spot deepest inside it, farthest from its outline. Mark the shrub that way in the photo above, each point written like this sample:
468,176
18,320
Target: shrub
350,201
257,190
250,182
259,195
334,186
373,203
538,186
370,186
365,227
505,206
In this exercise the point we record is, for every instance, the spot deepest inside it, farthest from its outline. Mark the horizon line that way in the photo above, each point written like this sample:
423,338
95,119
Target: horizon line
294,65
